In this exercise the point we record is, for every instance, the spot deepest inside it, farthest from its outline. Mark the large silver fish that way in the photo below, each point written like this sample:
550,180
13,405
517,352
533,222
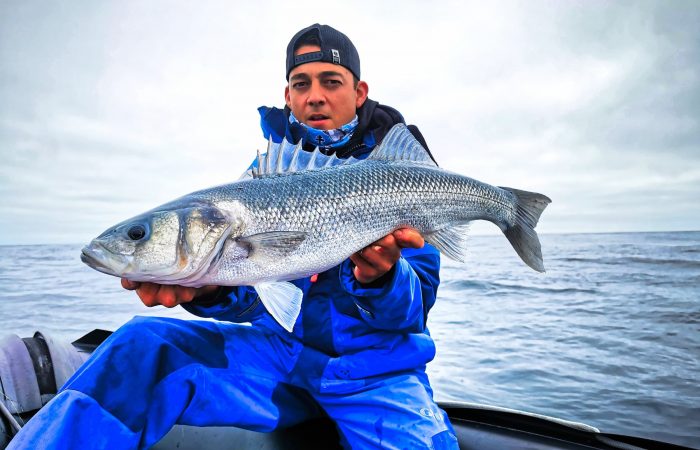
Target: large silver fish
302,213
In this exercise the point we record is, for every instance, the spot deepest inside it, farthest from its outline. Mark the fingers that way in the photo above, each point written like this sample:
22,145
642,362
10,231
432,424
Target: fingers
204,290
130,285
152,294
363,271
408,238
375,260
378,258
383,254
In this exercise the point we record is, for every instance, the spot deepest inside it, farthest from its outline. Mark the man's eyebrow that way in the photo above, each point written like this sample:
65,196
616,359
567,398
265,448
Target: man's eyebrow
330,73
299,76
325,74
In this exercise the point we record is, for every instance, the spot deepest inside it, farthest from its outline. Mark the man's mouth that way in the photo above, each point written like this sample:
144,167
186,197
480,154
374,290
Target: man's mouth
317,117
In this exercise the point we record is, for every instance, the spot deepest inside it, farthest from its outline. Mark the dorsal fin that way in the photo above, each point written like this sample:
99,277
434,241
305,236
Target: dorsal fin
285,158
279,163
400,145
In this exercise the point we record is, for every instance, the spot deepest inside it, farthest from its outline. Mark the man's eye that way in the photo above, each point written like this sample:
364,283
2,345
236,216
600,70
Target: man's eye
299,85
334,82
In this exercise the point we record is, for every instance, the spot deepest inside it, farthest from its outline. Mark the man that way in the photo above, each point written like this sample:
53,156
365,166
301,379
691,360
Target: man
356,353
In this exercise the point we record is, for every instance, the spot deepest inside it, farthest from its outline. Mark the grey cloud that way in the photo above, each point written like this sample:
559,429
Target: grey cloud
107,109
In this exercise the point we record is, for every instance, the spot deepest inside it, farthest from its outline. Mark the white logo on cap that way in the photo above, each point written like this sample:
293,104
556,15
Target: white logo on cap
336,56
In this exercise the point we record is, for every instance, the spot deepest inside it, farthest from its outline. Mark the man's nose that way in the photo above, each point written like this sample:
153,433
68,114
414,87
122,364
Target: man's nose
316,96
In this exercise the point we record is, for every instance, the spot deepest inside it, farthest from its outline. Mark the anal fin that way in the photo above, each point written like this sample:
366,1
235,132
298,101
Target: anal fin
450,241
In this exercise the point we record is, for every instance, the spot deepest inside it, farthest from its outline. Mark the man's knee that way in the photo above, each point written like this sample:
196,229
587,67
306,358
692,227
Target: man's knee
141,338
143,331
146,325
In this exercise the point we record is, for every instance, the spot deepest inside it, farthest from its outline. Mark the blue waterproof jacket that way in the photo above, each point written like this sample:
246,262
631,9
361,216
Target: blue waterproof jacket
357,331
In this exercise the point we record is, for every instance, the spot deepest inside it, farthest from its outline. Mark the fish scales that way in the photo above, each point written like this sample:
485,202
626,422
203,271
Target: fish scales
346,208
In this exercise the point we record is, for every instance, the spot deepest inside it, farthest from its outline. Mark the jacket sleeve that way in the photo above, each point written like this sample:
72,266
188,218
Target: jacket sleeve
232,304
407,294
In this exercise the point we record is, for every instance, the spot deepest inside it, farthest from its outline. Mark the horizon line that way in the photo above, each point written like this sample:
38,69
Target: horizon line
481,234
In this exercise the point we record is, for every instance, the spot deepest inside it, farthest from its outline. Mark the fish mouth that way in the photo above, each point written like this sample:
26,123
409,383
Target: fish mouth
94,257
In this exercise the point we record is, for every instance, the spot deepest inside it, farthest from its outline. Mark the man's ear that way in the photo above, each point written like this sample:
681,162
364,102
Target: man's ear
362,90
287,100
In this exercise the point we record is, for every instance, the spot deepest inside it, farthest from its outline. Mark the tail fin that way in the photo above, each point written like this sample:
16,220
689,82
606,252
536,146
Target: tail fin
522,235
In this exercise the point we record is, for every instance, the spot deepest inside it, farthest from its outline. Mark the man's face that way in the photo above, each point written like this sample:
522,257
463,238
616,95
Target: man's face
321,95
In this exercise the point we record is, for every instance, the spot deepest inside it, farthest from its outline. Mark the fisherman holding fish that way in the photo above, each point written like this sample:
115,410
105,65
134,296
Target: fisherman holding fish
356,352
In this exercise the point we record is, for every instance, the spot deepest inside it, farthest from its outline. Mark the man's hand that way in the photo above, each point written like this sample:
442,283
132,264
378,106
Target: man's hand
379,257
152,294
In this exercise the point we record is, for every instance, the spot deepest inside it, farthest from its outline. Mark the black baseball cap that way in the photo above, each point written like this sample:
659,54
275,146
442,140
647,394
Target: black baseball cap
336,48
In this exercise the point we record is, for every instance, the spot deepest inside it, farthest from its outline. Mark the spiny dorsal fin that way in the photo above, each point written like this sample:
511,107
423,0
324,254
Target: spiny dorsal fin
279,164
294,161
285,158
400,145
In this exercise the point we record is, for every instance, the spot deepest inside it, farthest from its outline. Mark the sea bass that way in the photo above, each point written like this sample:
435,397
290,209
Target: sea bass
302,213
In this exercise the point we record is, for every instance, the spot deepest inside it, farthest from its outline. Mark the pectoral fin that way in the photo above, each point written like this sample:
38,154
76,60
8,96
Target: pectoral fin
282,300
273,244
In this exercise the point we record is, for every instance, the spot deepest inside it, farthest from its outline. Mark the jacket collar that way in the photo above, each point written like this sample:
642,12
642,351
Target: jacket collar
374,121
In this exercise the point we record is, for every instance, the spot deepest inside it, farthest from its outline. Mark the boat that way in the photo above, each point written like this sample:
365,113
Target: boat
32,368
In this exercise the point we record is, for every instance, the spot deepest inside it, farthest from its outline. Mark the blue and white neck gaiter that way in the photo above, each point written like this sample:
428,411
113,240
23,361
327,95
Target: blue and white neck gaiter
327,138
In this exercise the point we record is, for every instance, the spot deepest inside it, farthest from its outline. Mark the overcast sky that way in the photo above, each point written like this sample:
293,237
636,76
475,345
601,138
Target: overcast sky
110,108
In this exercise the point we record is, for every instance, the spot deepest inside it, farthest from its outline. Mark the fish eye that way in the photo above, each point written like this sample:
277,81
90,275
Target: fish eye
136,232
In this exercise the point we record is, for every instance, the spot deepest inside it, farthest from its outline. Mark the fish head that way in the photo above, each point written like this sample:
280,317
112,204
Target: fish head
167,246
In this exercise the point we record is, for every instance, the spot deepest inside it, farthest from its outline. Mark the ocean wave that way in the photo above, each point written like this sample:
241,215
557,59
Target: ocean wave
490,286
642,260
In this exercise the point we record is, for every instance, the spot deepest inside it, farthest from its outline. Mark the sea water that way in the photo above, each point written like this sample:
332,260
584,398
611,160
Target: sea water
608,336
